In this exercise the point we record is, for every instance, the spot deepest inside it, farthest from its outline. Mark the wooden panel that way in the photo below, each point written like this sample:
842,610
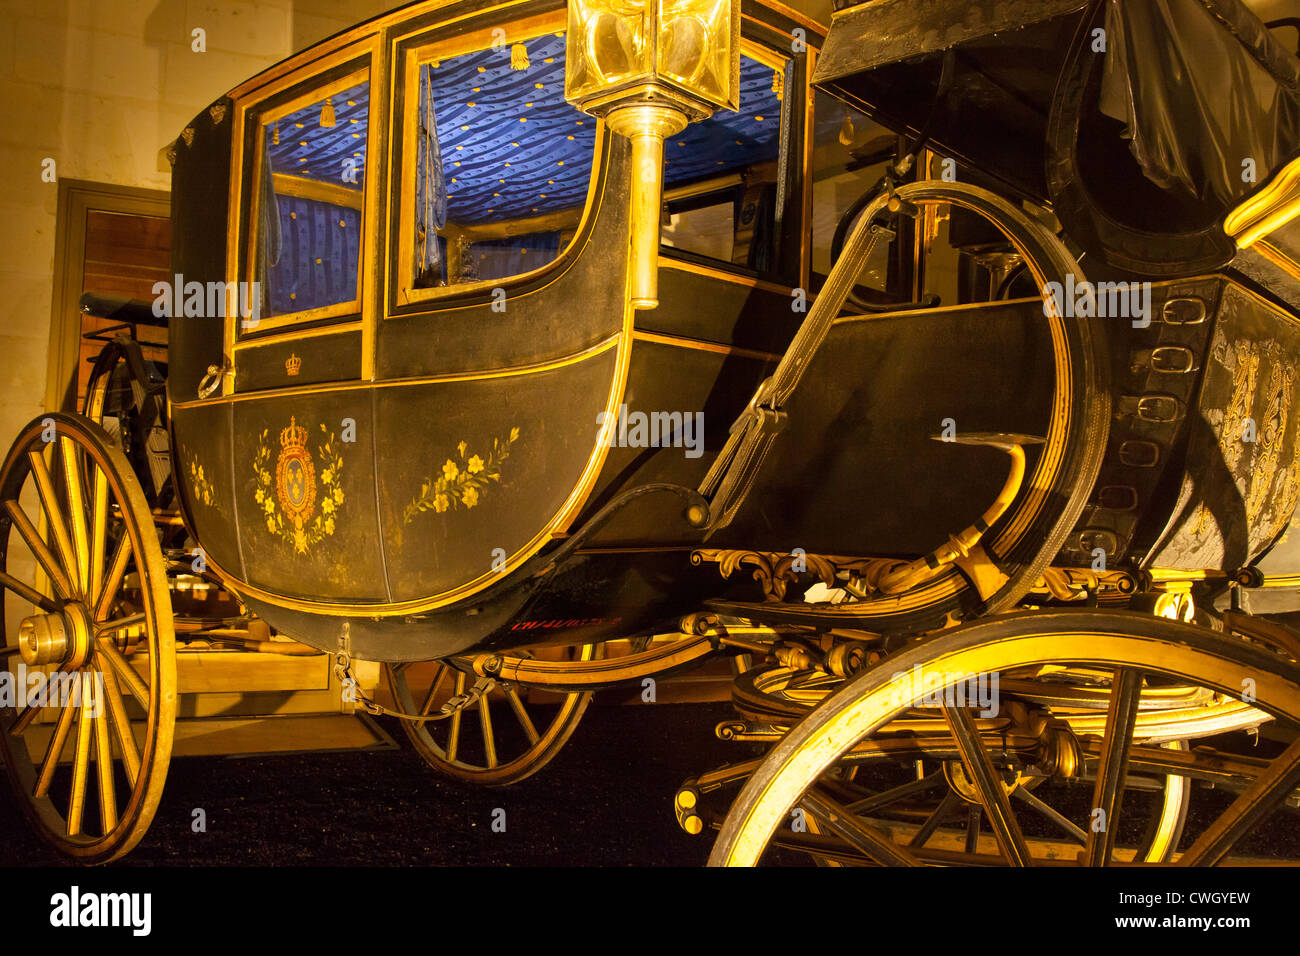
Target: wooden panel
245,736
124,255
208,672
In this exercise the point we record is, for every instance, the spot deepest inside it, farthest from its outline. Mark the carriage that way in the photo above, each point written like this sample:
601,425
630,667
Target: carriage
531,350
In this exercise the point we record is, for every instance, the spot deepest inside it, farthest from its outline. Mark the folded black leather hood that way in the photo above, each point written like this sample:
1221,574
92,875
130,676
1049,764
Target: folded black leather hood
1206,93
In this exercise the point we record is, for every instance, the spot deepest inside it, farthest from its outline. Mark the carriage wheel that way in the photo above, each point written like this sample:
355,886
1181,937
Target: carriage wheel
507,740
1133,647
80,557
782,696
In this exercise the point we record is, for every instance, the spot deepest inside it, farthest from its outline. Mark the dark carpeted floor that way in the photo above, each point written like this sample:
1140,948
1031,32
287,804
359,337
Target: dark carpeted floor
606,799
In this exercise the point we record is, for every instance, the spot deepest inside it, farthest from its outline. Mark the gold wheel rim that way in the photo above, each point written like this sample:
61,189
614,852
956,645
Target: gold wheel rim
796,763
98,552
478,719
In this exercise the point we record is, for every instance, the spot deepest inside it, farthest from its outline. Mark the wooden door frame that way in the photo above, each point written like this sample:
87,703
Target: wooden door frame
77,199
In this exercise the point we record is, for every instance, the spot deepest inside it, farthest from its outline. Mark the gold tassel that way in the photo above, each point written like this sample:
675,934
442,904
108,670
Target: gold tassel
327,112
778,84
275,135
846,131
519,57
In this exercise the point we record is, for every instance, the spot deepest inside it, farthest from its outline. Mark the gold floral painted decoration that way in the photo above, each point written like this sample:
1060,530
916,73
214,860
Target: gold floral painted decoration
461,483
287,492
199,482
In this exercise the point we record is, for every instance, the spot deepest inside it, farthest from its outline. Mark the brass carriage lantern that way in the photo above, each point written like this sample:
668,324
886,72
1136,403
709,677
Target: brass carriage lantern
648,68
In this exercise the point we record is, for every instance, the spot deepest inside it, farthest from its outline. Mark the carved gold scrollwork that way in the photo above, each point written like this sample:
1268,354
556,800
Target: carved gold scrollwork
1271,435
775,571
1244,373
1072,584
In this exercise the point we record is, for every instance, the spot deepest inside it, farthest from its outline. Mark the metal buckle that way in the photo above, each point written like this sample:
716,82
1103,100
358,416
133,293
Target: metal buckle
1090,539
1139,453
1118,498
1183,310
1174,359
1159,408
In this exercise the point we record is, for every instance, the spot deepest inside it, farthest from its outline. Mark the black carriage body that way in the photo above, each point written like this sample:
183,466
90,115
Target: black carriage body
474,414
368,411
1201,466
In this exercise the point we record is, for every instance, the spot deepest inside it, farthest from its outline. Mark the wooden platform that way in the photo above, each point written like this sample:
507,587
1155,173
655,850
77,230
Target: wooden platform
249,736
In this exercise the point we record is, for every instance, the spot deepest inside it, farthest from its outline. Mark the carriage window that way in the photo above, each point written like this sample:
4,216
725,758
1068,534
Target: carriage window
850,155
502,163
307,254
720,175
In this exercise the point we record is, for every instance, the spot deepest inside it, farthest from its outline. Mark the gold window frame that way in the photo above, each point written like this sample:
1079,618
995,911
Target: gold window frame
243,268
402,225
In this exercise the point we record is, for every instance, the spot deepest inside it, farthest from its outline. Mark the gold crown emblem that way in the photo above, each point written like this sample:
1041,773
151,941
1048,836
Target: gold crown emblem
295,436
293,364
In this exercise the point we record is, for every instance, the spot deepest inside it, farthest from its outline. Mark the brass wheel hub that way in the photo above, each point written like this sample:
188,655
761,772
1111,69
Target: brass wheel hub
63,637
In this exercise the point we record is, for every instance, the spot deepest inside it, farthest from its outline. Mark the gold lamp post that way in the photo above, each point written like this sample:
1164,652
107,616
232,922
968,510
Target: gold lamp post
649,67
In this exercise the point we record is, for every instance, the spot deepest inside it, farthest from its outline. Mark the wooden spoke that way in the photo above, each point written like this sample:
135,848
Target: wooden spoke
517,705
974,817
849,828
993,797
94,527
453,739
28,593
434,687
485,721
116,574
910,789
1261,797
103,757
121,725
98,533
130,676
29,712
53,751
118,623
77,509
1112,767
1051,813
53,514
44,556
1197,667
941,812
501,762
80,766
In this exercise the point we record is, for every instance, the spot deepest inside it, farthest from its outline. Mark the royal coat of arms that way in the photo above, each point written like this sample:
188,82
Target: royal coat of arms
287,491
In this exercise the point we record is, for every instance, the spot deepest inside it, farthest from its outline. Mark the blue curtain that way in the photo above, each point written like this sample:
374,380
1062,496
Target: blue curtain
430,194
310,250
319,257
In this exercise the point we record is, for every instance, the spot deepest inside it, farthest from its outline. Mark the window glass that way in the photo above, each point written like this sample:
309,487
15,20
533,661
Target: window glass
308,248
850,155
720,175
503,163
